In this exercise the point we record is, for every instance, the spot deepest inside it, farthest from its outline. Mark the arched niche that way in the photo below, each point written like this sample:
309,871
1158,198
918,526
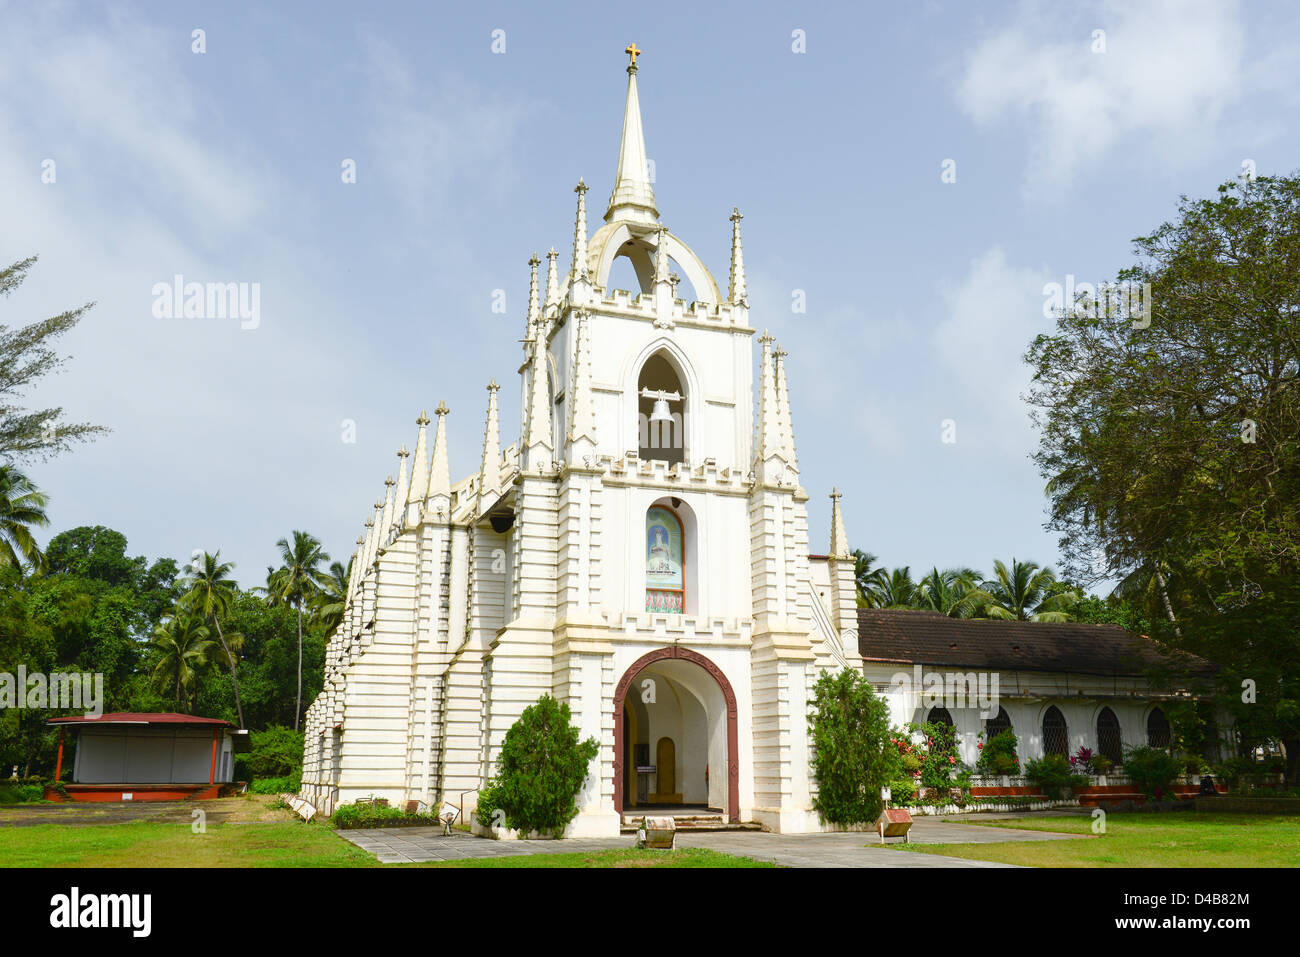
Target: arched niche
614,240
670,365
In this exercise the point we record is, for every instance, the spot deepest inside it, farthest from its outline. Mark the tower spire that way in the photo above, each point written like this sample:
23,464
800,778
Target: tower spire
633,197
582,412
769,434
579,269
783,410
533,310
440,473
385,516
538,436
552,282
490,469
419,472
736,292
839,539
403,487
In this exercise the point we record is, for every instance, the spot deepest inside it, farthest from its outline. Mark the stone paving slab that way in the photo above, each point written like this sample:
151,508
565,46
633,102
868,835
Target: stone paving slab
417,844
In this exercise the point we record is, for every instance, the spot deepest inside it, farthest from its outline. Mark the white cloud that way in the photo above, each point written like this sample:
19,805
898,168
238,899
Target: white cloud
1170,68
992,314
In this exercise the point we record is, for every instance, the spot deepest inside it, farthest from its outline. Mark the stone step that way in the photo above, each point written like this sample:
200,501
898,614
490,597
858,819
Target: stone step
692,822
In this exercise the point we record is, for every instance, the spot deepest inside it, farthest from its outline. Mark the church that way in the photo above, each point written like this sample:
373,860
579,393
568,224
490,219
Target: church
641,553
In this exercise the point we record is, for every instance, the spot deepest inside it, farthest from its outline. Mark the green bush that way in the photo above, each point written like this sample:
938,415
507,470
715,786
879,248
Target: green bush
273,753
854,755
1153,770
25,793
289,784
539,773
998,754
379,815
1053,774
902,793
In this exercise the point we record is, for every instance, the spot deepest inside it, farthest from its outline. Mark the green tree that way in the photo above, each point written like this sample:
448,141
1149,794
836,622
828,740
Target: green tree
1169,441
210,591
853,754
1023,592
954,592
863,574
25,357
331,599
22,506
181,647
540,771
892,589
295,583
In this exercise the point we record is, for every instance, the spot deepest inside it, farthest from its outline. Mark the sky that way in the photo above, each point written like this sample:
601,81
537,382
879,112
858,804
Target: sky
915,173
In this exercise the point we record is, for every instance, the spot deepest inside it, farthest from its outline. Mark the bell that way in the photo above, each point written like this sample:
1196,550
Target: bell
660,412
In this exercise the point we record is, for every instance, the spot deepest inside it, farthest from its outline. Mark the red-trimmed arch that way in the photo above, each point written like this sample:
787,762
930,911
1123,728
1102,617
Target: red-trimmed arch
733,735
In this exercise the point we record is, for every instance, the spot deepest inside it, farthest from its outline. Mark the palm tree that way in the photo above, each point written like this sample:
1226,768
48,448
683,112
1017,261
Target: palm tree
210,591
1147,581
295,583
863,574
181,646
954,592
1021,593
892,589
333,595
22,505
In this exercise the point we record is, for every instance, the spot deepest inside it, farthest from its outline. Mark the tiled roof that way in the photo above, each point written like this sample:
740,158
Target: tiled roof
170,719
927,637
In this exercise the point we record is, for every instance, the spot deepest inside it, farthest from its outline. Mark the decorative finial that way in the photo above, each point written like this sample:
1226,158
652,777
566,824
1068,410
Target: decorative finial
633,52
581,187
402,453
766,337
492,386
442,408
736,215
390,481
533,260
423,419
836,494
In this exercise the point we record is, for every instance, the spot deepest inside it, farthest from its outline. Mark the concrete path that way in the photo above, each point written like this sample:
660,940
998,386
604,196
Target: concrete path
398,845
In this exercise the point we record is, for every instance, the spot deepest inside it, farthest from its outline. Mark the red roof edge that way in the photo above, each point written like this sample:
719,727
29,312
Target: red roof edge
165,718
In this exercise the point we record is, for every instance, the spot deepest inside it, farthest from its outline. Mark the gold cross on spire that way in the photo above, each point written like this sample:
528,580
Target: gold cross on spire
633,52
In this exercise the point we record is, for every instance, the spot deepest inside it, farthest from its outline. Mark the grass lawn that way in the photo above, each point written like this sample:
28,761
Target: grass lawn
283,842
1185,839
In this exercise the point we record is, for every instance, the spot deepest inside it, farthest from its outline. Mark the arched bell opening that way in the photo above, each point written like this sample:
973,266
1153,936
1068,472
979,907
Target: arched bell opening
661,411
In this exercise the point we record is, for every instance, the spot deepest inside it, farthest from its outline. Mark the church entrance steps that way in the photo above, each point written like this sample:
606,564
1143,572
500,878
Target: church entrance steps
692,820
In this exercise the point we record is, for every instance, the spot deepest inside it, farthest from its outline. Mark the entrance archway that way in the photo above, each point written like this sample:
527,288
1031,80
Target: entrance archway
674,657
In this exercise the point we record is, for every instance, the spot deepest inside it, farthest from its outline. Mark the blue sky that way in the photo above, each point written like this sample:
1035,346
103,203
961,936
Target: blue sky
376,296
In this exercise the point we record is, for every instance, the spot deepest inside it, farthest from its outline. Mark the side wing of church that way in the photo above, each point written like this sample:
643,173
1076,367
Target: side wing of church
641,553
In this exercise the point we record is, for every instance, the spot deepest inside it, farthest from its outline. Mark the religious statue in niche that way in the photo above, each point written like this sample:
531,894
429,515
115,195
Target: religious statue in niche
664,579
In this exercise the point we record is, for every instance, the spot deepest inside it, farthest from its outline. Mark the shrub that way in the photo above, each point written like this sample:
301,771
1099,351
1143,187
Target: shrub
274,753
902,792
1052,773
855,754
940,766
540,771
25,793
378,815
289,784
998,754
1100,764
1153,770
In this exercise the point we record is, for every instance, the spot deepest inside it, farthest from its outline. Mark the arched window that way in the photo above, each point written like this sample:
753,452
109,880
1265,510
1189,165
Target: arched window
1056,737
997,725
939,716
665,570
1109,740
661,406
1158,729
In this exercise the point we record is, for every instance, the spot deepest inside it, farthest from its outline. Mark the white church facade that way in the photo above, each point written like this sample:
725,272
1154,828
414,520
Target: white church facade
641,553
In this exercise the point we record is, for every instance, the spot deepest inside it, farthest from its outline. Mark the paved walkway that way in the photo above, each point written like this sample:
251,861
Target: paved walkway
400,845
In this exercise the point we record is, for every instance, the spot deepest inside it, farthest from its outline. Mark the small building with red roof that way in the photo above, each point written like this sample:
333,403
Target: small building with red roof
125,756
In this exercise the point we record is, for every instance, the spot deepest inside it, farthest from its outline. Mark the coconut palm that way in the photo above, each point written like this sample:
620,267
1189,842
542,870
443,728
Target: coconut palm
181,645
863,574
210,591
954,592
333,595
22,506
1020,593
892,589
295,583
